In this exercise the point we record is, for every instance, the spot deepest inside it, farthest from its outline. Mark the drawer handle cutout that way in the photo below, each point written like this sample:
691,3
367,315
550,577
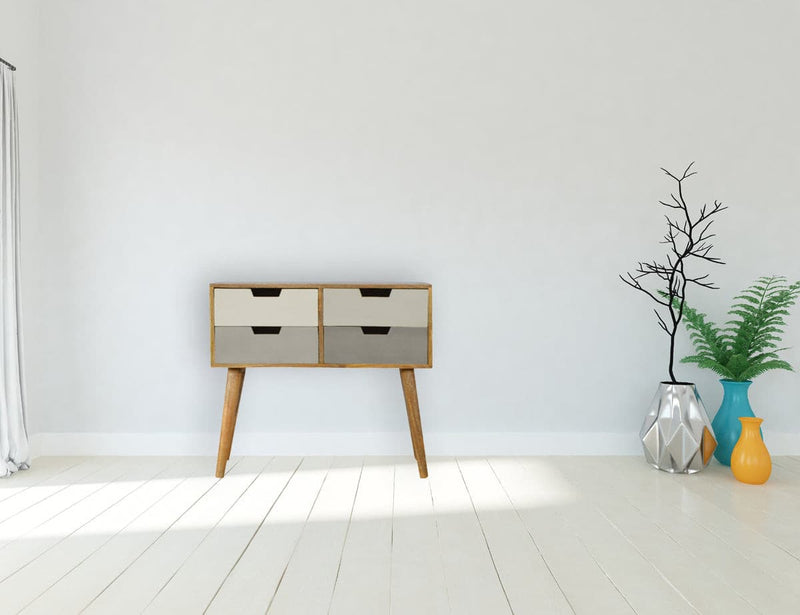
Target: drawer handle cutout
375,330
266,292
375,292
266,330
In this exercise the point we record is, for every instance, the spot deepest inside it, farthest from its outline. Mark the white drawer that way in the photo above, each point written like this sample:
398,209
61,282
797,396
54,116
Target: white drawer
403,307
293,307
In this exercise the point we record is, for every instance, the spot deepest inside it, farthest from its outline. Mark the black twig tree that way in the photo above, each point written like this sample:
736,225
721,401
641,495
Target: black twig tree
686,238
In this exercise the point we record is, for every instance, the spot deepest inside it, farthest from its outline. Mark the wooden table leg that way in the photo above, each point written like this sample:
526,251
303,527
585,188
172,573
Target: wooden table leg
230,409
414,422
235,416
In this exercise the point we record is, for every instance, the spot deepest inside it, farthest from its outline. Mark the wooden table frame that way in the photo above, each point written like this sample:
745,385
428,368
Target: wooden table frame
236,372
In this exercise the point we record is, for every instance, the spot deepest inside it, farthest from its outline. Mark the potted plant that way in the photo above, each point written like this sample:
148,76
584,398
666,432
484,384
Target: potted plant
744,348
676,434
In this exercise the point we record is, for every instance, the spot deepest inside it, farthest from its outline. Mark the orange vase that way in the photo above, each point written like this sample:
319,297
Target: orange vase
750,461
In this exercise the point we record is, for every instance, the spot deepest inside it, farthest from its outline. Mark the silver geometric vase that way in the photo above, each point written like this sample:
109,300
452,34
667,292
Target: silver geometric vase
676,435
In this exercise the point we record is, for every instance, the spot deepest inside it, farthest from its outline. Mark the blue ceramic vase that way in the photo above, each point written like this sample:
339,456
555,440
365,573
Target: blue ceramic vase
727,427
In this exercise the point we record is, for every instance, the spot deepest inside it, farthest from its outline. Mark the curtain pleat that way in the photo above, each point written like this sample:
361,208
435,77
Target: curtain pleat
14,447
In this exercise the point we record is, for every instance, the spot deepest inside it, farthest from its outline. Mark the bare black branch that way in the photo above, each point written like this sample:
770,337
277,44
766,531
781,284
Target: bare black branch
686,238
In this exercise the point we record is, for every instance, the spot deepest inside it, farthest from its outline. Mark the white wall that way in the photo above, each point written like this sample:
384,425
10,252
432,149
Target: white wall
508,153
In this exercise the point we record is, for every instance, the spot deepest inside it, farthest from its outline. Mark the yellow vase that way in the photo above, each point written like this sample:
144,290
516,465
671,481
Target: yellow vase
750,461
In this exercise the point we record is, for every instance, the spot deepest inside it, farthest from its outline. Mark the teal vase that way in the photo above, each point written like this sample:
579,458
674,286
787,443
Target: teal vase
727,427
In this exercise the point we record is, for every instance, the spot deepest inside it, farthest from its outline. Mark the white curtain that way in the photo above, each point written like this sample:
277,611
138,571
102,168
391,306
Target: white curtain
14,450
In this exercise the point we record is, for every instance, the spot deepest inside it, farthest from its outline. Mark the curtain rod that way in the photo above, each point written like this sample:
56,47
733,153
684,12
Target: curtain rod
11,66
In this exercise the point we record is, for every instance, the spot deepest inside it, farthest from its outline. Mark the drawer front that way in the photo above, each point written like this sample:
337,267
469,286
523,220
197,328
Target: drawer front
400,346
403,307
243,345
293,307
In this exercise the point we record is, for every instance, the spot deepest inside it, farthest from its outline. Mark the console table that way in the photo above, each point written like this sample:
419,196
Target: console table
320,325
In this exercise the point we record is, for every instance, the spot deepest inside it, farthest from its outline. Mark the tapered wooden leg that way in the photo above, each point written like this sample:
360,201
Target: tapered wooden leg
230,409
235,416
414,422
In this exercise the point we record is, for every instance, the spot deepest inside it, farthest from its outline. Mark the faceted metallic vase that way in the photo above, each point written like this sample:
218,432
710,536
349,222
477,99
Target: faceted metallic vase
677,436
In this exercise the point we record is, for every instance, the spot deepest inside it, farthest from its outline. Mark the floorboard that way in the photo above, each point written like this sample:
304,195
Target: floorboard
45,468
768,509
138,584
251,584
473,583
527,579
75,536
37,500
363,584
352,536
650,534
418,582
308,581
187,482
542,498
192,587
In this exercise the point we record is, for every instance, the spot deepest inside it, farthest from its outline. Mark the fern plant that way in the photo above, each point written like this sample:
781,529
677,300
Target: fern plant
747,345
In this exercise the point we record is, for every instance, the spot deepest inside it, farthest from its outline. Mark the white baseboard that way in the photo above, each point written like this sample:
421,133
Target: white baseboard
385,443
293,443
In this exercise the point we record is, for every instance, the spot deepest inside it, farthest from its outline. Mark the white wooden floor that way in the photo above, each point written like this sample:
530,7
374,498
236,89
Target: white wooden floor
348,536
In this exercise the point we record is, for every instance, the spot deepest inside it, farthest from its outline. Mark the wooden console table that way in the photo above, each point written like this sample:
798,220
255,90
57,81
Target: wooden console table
320,325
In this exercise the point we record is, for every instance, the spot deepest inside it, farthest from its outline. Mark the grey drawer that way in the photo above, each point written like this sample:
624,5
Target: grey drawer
403,307
250,345
400,346
293,307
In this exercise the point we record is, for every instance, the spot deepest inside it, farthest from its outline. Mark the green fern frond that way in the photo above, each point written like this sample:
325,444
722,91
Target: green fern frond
708,363
747,345
757,370
705,335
